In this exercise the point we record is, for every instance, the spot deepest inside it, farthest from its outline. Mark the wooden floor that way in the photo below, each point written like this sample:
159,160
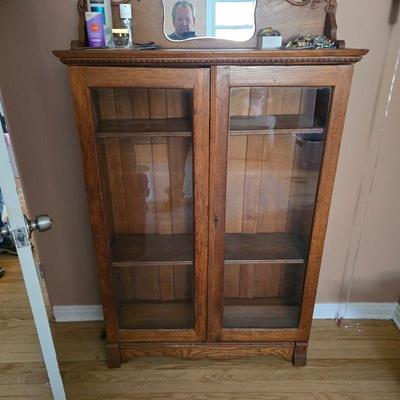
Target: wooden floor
358,361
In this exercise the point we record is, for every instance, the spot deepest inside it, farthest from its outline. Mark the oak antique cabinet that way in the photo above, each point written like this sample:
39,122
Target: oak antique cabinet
209,176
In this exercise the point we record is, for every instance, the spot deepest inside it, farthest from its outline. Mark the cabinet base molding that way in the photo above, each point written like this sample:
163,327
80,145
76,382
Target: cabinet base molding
213,351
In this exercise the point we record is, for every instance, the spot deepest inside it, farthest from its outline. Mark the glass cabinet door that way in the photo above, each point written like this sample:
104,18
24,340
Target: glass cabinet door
148,137
275,144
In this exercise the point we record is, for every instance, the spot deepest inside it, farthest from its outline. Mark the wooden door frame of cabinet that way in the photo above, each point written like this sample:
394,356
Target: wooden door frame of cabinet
197,80
222,79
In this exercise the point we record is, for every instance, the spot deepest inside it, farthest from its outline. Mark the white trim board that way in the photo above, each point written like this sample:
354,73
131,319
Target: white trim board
322,311
396,316
355,310
78,313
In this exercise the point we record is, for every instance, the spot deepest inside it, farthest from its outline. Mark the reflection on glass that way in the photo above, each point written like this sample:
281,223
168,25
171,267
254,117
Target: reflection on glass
224,19
145,147
275,145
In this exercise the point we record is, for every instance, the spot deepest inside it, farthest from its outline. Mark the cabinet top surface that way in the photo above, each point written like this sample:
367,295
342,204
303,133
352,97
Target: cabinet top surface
206,57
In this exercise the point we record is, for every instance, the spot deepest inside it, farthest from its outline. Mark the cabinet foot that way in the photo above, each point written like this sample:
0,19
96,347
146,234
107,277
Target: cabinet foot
113,355
300,354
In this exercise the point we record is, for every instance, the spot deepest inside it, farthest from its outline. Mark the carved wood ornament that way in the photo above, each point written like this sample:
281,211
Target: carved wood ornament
330,4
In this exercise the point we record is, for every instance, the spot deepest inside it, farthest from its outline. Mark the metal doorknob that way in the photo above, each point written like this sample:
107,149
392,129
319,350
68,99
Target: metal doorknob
41,223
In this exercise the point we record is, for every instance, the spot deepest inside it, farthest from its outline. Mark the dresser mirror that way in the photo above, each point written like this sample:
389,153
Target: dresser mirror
222,19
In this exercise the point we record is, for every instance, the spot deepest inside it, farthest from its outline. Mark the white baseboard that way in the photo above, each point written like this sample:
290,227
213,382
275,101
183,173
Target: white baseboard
396,316
78,313
321,311
355,310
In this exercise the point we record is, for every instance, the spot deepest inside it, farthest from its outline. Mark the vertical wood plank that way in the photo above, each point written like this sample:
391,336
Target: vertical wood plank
307,106
167,283
180,154
123,106
106,103
201,175
183,282
116,186
254,153
139,102
179,103
135,188
146,282
162,186
267,280
278,153
157,103
144,162
236,167
258,101
246,288
232,281
239,102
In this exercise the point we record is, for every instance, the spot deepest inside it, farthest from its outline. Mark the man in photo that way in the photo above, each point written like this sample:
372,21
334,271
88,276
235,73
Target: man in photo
183,18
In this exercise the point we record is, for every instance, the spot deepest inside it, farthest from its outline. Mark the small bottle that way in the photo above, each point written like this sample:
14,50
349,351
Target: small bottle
125,12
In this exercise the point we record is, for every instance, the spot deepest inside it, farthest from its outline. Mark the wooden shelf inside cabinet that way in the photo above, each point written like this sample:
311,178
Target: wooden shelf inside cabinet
273,124
142,250
272,315
262,248
114,128
240,248
156,315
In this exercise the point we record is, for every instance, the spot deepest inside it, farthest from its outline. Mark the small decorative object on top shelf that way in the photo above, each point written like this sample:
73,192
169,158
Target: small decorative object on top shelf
311,42
125,12
269,39
120,38
103,7
95,29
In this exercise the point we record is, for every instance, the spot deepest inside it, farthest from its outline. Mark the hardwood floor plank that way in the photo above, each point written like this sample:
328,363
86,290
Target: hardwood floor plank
213,384
240,396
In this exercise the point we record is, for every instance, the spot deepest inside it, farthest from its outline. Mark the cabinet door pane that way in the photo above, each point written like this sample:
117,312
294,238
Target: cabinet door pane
145,146
275,144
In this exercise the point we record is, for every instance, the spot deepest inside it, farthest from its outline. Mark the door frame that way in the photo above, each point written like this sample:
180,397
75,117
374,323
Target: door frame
17,224
197,80
222,79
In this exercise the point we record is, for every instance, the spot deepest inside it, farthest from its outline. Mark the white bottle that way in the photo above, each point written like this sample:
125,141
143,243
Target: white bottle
103,6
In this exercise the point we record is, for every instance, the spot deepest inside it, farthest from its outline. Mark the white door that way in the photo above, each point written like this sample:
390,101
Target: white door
18,228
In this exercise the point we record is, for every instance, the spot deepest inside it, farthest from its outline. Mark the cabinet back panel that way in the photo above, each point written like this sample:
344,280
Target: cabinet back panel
275,147
263,281
154,283
146,172
149,185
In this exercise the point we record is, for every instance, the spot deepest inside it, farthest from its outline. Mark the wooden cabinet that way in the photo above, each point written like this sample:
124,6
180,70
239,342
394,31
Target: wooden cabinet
209,188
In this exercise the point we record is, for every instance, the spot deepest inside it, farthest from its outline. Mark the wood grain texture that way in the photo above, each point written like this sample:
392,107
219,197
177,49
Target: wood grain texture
215,352
186,187
196,58
86,129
